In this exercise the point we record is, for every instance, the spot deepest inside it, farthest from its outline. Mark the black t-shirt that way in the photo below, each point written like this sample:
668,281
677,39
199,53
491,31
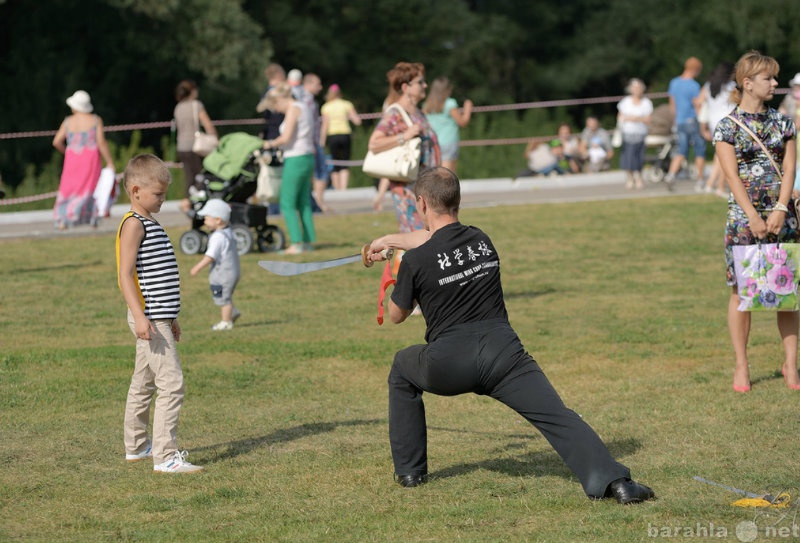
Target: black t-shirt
272,124
455,278
272,121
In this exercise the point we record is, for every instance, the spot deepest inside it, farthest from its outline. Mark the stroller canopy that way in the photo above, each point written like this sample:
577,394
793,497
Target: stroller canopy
232,154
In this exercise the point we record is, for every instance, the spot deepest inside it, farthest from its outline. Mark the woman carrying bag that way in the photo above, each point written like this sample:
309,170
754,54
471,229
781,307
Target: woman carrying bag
756,149
82,141
407,82
632,120
190,115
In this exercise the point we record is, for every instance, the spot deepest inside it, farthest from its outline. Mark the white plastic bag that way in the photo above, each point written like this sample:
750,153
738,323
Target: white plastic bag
105,193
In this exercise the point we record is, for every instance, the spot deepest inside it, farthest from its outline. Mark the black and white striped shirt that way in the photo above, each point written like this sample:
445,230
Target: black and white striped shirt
157,271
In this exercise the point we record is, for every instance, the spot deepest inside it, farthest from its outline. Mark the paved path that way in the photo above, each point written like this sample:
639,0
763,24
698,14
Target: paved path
474,193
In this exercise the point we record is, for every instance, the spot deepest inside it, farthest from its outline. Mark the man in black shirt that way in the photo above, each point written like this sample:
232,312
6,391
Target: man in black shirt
453,272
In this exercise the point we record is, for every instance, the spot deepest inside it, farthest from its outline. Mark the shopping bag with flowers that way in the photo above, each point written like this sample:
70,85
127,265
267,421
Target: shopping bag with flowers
767,276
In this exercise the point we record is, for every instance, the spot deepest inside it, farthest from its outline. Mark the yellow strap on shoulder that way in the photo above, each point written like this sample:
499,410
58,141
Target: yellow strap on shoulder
125,217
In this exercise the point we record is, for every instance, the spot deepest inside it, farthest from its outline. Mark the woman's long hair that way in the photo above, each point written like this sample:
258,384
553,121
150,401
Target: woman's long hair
722,74
439,92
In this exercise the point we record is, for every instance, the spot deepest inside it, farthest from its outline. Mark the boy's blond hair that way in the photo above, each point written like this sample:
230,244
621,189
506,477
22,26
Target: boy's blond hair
144,170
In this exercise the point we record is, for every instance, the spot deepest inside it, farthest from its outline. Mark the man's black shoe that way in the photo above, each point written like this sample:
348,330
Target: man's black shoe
627,491
410,481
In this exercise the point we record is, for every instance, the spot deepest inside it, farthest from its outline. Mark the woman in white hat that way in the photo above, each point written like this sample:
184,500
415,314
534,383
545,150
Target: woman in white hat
82,141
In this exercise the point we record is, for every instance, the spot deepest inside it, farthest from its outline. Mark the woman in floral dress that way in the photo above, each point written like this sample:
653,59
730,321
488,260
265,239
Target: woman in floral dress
82,140
760,205
407,80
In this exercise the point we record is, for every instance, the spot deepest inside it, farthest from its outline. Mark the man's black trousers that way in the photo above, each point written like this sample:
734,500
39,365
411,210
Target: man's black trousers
488,358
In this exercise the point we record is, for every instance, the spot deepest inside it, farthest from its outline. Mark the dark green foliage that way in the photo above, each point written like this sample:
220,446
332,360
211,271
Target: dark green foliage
130,54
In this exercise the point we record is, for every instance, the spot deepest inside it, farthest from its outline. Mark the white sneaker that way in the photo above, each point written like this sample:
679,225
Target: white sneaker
146,453
236,314
177,464
222,325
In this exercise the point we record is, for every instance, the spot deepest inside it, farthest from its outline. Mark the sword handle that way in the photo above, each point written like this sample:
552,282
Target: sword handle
386,254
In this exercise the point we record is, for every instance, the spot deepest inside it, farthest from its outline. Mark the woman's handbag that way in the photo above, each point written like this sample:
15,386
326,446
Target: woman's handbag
616,136
767,276
399,163
204,143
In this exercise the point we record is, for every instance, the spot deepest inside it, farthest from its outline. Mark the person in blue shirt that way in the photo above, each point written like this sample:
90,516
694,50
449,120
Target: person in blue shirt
684,101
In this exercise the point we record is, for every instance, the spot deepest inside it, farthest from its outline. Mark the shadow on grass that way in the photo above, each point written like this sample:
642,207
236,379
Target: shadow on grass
536,464
510,295
261,323
768,377
532,435
232,449
53,267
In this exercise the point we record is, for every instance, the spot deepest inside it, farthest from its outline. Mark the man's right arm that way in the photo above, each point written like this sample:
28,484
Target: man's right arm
401,240
397,314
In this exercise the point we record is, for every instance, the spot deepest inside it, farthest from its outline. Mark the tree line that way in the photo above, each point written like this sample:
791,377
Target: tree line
130,54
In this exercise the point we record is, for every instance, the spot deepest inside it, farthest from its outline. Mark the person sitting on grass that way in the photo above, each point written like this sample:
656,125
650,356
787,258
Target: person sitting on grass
545,159
453,272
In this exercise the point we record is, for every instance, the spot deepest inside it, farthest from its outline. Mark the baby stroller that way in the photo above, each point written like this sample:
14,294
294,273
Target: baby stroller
659,143
230,173
657,157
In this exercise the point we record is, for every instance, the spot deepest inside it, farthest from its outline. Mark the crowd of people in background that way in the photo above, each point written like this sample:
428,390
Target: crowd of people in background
729,109
324,139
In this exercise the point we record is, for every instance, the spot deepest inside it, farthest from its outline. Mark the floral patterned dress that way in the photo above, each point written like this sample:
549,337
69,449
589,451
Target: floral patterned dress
75,200
760,180
405,203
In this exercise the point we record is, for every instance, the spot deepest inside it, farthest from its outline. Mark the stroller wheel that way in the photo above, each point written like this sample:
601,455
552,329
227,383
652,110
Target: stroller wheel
193,242
653,174
243,237
271,239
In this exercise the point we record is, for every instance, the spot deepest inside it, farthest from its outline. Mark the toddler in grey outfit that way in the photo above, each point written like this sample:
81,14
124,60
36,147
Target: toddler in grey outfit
223,257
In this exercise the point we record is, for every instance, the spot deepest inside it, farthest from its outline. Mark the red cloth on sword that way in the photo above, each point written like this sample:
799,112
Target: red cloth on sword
387,279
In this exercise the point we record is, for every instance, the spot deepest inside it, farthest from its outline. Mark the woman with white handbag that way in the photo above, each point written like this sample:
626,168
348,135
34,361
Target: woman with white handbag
190,115
632,119
404,130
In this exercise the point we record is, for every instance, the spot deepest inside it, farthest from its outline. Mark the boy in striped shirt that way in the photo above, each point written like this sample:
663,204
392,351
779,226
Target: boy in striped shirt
147,272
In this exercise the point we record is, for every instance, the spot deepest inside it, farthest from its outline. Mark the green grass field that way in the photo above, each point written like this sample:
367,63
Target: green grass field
622,303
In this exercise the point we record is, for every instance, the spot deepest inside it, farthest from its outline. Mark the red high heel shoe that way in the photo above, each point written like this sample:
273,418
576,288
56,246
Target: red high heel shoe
793,387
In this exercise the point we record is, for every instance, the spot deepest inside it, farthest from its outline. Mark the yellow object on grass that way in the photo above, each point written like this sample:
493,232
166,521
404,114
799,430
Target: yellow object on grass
783,501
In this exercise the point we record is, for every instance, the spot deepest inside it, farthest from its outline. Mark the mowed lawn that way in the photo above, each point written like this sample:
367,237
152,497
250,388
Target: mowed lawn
623,304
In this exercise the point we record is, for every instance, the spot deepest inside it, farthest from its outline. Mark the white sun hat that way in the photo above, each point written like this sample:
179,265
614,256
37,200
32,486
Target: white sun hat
80,101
